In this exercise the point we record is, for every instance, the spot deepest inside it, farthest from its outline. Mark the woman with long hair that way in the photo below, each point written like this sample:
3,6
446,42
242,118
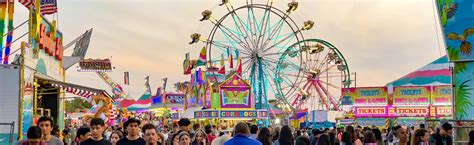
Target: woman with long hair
369,139
378,136
354,136
115,136
264,136
275,134
346,138
286,138
184,138
200,138
421,137
324,140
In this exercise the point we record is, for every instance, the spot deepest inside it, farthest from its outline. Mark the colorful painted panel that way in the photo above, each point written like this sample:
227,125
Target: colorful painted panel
442,96
27,114
411,96
457,20
235,93
370,96
464,90
174,98
409,121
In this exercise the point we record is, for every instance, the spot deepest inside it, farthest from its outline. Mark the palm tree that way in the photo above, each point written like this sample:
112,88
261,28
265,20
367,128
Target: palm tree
463,100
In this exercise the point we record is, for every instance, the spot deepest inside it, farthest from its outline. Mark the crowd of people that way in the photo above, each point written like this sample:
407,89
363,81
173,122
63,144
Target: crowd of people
136,133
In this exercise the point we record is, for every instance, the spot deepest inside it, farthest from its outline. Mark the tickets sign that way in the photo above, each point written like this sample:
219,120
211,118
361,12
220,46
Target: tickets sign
444,111
370,111
411,96
371,96
442,95
412,111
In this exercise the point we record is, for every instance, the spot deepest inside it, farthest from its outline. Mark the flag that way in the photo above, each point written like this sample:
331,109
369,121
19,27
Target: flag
236,53
47,6
239,69
222,70
165,80
228,52
82,44
126,78
147,84
202,57
231,61
11,9
187,65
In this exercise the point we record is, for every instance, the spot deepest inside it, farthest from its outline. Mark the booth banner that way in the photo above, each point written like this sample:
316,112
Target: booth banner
206,114
371,111
411,96
371,122
444,111
323,125
346,121
412,111
370,96
262,114
95,65
442,96
175,116
174,98
238,114
409,121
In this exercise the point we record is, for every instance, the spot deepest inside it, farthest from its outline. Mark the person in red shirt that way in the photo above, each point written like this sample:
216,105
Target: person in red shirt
210,135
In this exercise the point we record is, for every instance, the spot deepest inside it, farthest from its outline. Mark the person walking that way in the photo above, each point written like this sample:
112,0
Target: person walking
241,131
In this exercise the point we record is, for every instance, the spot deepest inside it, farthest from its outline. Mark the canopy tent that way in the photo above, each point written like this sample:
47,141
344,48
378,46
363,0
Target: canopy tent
79,90
143,103
434,74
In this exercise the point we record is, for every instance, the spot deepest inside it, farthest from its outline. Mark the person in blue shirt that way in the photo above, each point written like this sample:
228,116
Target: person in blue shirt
241,131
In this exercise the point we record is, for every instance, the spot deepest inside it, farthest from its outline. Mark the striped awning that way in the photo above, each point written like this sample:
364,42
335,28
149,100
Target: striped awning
78,90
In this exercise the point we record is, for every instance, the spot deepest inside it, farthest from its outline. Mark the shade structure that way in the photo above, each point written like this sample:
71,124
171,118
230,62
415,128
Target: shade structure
433,74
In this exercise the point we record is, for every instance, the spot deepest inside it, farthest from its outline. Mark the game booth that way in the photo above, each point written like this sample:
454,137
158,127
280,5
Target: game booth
371,106
234,103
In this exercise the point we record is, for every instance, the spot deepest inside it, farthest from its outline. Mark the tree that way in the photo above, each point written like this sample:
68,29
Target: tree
77,103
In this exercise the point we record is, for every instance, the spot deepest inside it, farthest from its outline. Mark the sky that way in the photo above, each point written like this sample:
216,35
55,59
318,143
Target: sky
382,40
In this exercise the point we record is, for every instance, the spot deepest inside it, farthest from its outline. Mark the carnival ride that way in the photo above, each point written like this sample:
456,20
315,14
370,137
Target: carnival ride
274,56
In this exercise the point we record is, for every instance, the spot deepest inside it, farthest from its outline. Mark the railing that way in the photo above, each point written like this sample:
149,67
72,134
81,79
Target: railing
11,131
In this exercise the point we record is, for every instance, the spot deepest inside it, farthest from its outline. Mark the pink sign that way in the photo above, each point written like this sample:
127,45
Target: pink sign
412,111
368,96
370,111
411,96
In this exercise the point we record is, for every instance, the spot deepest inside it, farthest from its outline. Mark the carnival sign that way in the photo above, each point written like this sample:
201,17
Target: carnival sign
371,121
442,95
444,111
412,111
174,98
95,65
238,114
206,114
370,96
411,96
370,111
235,93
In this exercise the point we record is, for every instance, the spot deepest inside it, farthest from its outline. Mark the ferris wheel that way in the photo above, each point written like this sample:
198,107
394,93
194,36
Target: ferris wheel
324,73
257,35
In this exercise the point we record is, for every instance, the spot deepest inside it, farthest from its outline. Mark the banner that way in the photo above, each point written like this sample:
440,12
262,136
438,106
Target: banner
442,96
95,65
371,121
370,111
238,114
457,17
411,96
174,98
444,111
412,111
370,96
464,91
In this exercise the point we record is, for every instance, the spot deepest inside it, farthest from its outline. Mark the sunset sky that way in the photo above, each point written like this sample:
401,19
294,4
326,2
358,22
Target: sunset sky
381,39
